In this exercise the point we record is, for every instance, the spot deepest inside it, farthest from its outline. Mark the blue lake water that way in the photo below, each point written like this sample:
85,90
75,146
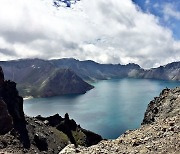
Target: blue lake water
109,109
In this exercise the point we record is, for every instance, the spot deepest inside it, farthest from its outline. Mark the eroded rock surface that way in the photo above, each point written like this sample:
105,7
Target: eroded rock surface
76,134
159,133
6,122
21,134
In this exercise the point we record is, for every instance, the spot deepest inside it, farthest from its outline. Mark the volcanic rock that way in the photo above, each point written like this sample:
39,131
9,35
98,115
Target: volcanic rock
159,132
6,122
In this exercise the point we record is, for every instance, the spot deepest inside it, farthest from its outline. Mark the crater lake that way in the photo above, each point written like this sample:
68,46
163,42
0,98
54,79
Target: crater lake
109,109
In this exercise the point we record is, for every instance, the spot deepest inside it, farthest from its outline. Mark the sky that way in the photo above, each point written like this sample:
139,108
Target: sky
106,31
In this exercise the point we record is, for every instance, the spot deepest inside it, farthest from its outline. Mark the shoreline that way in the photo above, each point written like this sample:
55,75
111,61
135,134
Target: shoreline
26,98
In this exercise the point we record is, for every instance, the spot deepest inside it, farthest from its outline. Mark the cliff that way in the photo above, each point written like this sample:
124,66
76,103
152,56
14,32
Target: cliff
40,78
22,134
90,70
44,78
159,132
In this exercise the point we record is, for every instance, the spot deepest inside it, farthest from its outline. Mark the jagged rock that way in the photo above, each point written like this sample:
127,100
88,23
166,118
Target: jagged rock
41,141
70,149
10,96
159,132
51,120
32,135
6,122
14,102
76,134
1,76
66,117
166,105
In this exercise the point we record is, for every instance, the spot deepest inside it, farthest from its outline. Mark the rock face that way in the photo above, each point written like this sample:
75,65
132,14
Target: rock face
161,108
44,78
168,72
11,105
20,134
76,134
92,71
159,132
1,76
41,78
14,102
41,141
6,122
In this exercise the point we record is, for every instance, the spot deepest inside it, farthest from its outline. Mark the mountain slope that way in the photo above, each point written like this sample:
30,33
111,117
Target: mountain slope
90,70
21,134
40,78
62,82
168,72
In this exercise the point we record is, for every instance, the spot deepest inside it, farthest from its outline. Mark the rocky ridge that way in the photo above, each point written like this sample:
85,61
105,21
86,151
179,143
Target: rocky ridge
21,134
40,78
159,133
45,78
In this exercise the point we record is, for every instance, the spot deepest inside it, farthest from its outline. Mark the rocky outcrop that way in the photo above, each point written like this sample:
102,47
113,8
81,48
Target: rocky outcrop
41,78
162,107
1,76
41,141
159,132
6,122
11,105
76,134
10,95
14,102
167,72
38,136
20,134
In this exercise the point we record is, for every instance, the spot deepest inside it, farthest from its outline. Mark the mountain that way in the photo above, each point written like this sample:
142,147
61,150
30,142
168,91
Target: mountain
62,82
159,132
44,78
168,72
92,71
40,78
23,134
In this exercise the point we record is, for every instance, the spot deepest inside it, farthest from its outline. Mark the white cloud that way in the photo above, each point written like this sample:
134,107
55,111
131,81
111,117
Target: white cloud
169,11
147,2
110,31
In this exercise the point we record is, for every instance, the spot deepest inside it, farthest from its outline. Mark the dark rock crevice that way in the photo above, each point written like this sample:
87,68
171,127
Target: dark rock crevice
68,126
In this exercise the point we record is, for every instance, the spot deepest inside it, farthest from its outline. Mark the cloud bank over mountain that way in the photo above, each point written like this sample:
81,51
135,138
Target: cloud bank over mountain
110,31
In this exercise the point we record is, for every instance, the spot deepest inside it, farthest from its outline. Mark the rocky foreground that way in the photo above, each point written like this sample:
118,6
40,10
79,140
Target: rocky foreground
21,134
159,133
